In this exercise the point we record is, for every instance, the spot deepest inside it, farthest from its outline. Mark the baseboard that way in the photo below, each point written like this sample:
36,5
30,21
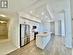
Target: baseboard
11,51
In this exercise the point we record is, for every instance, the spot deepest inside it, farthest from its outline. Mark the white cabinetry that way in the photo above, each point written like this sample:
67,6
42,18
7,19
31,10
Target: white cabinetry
42,40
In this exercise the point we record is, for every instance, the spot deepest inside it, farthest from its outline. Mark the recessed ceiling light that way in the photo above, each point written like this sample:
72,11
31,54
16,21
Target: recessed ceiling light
31,12
2,15
3,22
42,13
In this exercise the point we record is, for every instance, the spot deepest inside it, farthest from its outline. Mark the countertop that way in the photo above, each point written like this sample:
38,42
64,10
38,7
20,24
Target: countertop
42,34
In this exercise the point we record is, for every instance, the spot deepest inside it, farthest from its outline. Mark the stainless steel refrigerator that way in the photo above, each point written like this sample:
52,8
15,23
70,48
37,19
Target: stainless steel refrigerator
24,34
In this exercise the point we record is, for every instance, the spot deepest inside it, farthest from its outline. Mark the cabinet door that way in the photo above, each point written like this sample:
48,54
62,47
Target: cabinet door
39,42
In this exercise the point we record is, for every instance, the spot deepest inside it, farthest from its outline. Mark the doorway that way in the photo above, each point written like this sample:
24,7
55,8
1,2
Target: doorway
3,30
52,27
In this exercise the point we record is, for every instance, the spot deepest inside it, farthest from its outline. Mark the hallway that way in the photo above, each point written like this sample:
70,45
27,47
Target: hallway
54,47
3,29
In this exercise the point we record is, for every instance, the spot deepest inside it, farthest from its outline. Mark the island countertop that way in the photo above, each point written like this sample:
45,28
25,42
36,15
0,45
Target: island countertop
42,34
42,39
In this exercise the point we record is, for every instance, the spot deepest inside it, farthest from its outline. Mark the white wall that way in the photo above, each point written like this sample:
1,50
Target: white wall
68,21
63,28
44,26
57,28
72,18
72,30
13,31
62,18
13,27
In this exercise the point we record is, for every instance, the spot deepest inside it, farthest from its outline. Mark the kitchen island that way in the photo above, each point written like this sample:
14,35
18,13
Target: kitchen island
42,39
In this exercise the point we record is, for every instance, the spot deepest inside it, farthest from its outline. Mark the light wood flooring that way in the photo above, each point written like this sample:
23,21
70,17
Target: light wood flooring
55,47
6,46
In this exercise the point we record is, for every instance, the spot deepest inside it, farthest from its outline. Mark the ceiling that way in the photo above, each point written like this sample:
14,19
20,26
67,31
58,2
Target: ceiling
37,8
40,7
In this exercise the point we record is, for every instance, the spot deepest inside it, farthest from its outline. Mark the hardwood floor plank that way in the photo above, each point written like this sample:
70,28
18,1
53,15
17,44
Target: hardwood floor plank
55,47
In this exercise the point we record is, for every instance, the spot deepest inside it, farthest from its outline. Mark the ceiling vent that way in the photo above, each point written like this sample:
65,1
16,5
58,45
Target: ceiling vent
3,3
